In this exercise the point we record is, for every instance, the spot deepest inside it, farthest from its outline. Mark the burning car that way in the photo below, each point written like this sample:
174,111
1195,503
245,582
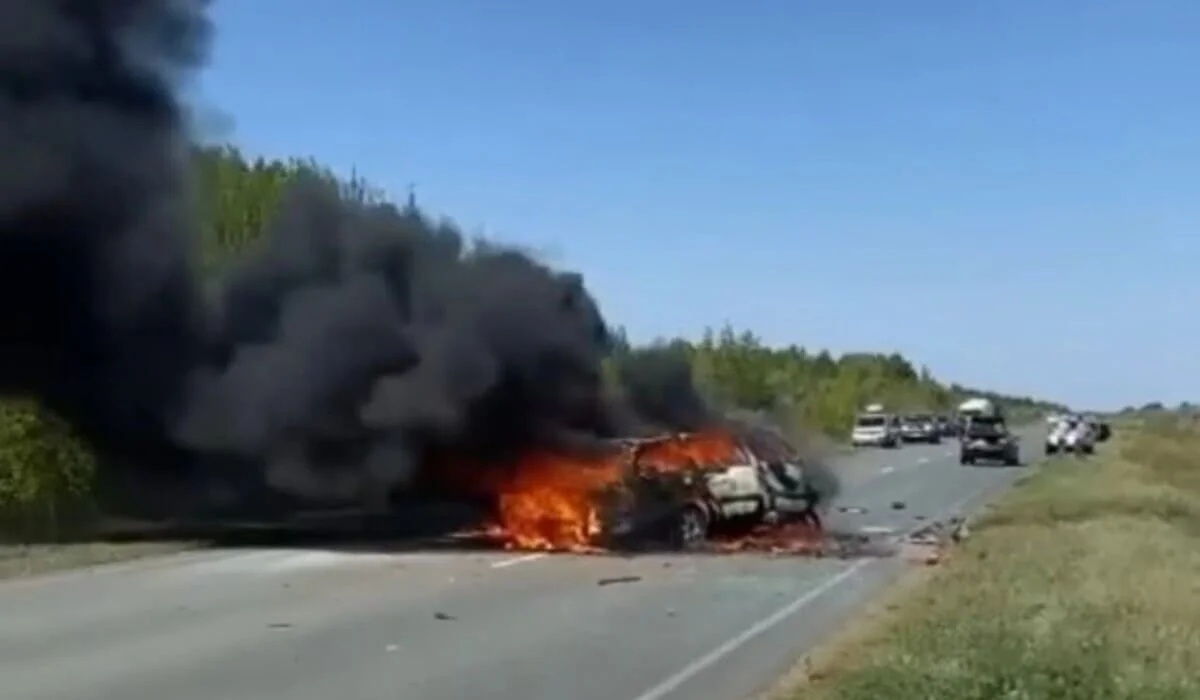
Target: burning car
759,480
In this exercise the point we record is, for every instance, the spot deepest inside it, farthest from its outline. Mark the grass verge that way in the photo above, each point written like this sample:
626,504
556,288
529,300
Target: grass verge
18,560
1083,583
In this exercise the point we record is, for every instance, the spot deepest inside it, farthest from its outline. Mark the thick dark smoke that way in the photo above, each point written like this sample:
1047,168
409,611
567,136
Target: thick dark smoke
363,345
659,386
97,312
364,338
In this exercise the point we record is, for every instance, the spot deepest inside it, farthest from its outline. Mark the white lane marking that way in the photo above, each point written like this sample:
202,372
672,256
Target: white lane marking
887,469
672,683
877,530
504,563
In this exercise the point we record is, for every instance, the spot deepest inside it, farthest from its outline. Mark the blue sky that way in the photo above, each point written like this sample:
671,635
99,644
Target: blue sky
997,189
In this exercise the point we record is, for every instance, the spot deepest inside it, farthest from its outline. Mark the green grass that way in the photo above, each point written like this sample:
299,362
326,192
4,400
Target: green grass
1082,584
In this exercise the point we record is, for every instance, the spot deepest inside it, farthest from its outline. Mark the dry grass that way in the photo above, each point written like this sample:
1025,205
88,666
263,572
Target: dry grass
1083,584
17,560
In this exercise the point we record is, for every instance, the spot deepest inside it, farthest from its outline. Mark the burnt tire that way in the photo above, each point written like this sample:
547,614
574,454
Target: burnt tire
691,527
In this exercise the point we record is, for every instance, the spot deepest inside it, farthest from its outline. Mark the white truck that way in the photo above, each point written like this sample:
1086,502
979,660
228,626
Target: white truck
978,406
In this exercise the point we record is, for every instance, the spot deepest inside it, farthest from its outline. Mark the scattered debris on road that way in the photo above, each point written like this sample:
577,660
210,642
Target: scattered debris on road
279,625
928,544
618,579
899,505
443,616
854,510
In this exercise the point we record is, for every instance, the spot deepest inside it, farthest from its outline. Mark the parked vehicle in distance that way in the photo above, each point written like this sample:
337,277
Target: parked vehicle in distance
1072,434
1081,439
1056,436
1100,429
876,429
987,438
920,427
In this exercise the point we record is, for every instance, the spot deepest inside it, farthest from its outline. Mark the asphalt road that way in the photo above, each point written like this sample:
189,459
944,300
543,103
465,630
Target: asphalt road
316,625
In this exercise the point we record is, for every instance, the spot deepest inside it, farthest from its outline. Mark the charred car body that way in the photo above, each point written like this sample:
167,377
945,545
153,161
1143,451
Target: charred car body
987,438
765,482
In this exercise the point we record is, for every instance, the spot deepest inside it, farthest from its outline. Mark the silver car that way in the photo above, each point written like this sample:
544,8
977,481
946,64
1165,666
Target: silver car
876,429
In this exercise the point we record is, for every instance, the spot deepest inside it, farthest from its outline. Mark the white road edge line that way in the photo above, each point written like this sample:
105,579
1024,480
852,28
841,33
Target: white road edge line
519,560
672,683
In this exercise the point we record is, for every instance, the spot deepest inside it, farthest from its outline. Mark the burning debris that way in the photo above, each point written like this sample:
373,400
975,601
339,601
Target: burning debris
363,352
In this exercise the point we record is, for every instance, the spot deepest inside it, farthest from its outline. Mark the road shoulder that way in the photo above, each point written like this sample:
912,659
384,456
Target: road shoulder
26,560
1077,584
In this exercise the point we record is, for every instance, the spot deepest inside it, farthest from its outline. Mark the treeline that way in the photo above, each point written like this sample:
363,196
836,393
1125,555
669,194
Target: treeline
45,473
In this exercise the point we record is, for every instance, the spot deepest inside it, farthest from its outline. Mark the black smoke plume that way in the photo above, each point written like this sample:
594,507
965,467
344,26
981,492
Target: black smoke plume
361,346
98,316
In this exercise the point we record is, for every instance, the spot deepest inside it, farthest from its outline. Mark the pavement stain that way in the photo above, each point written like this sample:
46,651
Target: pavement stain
618,579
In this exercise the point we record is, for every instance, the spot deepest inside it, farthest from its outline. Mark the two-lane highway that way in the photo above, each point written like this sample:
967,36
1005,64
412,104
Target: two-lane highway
315,625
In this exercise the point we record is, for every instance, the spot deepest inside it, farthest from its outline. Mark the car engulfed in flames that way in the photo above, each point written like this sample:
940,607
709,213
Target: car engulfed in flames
674,490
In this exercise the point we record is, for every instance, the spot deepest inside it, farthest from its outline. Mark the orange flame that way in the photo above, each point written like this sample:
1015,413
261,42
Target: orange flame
551,501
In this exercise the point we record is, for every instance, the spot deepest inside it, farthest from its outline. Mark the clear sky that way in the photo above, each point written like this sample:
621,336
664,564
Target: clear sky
1006,191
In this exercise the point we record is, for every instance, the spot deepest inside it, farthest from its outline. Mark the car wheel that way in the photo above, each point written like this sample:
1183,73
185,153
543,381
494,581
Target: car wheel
691,528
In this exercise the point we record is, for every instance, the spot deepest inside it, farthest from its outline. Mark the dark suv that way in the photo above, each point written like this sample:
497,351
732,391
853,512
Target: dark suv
988,438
